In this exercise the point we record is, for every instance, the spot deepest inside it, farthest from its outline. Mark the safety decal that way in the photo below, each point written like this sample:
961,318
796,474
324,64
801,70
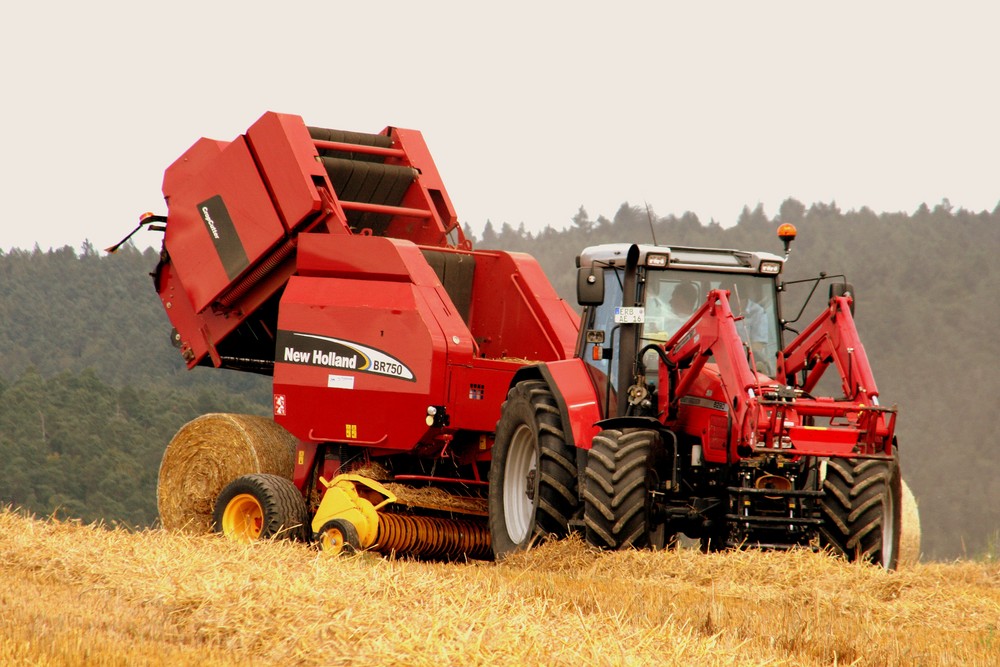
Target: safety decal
314,350
704,403
340,381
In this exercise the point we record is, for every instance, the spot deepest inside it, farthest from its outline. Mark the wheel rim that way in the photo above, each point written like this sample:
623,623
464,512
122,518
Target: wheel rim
244,518
888,529
519,482
657,531
332,540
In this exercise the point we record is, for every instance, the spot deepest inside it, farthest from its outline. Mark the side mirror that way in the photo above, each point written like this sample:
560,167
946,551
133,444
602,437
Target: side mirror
844,289
590,286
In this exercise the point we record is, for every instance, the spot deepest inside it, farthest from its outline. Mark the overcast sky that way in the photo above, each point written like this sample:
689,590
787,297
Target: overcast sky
530,109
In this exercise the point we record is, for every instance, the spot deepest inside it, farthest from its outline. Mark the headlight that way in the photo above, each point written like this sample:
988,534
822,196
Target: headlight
656,260
770,267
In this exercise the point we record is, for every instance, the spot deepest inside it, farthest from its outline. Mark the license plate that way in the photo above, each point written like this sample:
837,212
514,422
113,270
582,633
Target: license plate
630,315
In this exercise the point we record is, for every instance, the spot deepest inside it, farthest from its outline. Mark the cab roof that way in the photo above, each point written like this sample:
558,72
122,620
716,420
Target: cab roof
683,257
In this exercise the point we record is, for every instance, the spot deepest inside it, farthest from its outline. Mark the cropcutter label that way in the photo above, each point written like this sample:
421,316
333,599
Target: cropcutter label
222,231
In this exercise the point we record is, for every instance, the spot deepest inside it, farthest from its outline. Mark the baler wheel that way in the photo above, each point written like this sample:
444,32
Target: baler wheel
338,536
209,452
532,491
615,489
254,507
243,518
862,510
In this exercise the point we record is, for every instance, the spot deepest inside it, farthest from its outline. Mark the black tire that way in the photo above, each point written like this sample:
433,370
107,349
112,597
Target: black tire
862,510
338,536
615,498
532,491
261,506
209,452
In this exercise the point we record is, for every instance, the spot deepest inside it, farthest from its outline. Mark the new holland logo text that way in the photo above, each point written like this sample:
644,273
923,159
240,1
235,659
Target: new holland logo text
314,350
320,358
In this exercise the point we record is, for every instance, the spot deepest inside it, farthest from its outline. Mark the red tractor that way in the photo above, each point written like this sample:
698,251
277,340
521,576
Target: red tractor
443,402
710,423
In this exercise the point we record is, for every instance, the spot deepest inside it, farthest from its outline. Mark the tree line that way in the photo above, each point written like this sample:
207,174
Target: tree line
91,389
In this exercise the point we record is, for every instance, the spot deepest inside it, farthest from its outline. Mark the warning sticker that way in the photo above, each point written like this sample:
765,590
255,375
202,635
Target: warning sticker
704,403
340,381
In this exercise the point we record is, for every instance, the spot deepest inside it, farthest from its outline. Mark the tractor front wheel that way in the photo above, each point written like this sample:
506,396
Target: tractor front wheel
616,507
532,491
255,507
862,510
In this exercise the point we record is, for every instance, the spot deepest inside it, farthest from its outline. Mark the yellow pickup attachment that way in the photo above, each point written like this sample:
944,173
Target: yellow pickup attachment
347,517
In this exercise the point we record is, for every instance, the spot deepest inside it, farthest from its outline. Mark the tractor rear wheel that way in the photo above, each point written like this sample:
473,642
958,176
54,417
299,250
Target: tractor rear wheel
532,491
257,507
862,510
615,498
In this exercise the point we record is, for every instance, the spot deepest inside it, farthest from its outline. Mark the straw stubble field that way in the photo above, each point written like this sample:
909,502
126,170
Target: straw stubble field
72,594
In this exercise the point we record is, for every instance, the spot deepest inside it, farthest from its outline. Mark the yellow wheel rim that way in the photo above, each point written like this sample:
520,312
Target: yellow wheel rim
332,540
243,519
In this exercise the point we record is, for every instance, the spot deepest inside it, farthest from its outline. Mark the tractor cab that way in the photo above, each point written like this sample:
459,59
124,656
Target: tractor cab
632,307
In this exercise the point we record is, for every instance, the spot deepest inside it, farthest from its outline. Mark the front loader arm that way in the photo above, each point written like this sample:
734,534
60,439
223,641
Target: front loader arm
771,418
831,338
711,333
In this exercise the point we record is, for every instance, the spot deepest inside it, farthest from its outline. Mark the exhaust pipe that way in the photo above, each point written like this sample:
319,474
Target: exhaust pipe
627,333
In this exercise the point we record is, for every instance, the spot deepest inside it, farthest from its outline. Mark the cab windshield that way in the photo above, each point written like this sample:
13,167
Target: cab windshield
672,296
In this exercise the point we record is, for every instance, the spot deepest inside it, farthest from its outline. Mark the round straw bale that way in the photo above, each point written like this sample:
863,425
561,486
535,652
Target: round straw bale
209,452
909,539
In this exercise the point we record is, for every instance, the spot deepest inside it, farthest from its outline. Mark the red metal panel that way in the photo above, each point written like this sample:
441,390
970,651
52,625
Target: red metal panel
305,459
190,163
336,256
426,194
561,323
288,163
379,260
516,313
476,392
219,223
572,383
200,332
356,362
178,308
703,412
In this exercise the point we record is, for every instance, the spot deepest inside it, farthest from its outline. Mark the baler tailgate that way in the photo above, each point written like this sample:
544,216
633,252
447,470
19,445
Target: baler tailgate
236,211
